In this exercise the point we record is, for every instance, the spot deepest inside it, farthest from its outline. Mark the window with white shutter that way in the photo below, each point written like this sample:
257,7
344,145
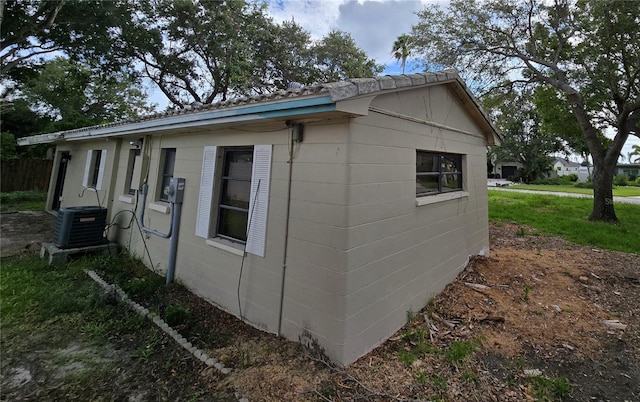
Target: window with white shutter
94,168
241,186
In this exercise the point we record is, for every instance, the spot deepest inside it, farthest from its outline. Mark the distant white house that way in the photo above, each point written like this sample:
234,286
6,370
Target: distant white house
565,167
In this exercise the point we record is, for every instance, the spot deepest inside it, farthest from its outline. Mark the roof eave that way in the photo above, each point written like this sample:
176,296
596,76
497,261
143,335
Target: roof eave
227,116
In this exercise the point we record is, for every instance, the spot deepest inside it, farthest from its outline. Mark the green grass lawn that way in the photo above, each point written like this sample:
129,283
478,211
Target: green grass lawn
567,217
618,191
22,201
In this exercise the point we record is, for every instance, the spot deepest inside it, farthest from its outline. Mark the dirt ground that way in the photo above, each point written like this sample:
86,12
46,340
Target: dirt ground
538,306
22,232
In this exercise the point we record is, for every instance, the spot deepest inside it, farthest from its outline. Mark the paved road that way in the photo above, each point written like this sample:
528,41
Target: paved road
624,200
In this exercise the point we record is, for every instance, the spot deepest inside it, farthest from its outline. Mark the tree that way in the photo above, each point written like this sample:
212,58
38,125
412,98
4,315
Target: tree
80,28
524,138
205,51
337,57
635,152
75,95
587,50
402,48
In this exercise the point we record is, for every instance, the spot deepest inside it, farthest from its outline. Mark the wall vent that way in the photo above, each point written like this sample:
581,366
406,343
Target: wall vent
79,226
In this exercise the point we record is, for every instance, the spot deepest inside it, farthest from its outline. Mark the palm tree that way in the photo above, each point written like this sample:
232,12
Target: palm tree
402,49
636,151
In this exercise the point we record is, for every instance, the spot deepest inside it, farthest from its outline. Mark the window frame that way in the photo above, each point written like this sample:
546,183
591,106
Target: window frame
94,169
223,181
441,174
134,155
166,173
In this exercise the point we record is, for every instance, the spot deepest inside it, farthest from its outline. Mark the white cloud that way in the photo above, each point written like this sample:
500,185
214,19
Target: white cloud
373,24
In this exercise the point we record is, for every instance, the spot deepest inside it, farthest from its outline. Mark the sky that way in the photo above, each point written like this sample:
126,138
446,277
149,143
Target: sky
373,24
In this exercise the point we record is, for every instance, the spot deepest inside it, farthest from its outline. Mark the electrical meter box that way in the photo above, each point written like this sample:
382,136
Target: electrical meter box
176,190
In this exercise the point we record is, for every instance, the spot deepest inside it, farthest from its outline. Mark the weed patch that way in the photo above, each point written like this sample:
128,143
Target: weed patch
549,389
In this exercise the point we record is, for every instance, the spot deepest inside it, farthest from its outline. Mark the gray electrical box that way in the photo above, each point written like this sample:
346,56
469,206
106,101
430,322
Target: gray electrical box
176,190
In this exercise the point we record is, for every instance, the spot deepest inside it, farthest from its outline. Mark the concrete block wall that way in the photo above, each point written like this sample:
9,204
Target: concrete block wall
400,254
211,272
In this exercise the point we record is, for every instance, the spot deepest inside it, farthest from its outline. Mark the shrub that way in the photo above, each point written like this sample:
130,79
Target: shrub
22,196
620,180
556,181
587,184
176,314
572,177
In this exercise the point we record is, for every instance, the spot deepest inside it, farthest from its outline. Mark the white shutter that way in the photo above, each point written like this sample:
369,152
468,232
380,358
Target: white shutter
87,168
259,200
103,161
206,191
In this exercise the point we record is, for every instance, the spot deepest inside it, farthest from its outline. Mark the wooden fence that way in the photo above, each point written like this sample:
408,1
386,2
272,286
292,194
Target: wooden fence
25,174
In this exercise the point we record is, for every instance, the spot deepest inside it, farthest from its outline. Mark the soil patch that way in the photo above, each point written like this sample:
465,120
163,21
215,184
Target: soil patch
24,231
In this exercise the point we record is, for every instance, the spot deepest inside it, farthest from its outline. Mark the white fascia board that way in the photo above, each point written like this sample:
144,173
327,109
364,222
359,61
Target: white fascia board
40,139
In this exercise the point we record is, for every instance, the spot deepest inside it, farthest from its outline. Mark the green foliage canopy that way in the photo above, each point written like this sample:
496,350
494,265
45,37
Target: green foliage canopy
587,50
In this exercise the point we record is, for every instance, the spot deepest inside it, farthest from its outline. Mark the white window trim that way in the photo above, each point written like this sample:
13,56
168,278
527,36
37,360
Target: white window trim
432,199
226,245
160,206
207,184
88,168
127,199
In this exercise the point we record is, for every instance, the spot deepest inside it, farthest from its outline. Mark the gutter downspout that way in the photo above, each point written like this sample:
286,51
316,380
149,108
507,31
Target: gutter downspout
297,129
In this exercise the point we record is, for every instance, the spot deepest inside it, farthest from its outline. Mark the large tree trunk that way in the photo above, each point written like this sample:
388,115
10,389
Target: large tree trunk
603,209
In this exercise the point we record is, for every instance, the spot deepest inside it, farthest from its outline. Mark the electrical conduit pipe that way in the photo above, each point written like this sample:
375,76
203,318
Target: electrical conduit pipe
174,229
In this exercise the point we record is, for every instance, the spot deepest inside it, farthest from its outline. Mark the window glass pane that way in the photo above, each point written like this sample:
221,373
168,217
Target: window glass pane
167,172
451,182
236,193
131,186
96,167
169,161
426,184
233,224
237,164
438,173
426,162
451,163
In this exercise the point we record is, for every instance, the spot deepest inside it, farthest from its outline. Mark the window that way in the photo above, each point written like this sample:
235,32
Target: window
168,159
133,172
234,197
94,168
438,173
235,193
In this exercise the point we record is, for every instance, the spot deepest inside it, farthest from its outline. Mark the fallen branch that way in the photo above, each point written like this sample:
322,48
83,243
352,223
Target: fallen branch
615,324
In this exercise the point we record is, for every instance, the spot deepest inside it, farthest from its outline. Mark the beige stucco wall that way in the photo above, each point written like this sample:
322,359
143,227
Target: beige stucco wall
360,252
73,194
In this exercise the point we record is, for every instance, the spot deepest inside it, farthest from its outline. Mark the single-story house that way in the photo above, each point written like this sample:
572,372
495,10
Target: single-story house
630,169
506,169
565,167
322,213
